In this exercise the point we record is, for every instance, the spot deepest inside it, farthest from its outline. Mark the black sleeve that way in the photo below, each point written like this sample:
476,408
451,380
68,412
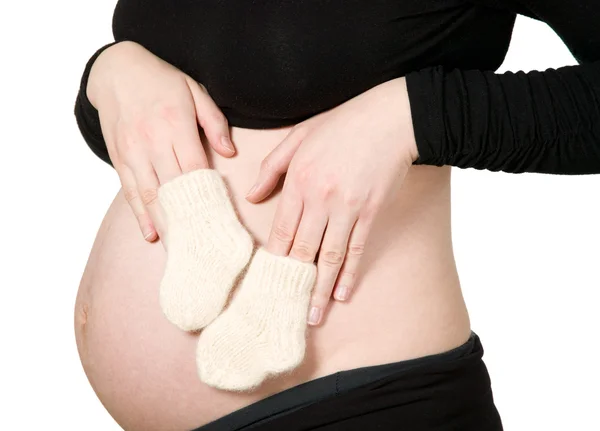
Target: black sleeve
87,116
546,122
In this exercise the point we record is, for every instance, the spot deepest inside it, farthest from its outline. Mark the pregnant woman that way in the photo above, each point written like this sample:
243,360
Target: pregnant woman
364,105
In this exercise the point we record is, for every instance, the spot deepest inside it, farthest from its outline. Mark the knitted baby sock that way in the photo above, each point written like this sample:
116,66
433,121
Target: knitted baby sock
207,248
262,332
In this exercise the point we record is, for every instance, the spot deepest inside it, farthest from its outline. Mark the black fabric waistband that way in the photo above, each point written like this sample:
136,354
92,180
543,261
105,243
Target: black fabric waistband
271,410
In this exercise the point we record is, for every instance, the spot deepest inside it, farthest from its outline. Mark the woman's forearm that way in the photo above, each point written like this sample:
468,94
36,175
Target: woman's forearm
546,122
517,122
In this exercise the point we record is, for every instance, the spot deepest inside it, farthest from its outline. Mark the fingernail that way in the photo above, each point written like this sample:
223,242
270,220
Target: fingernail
314,316
341,293
226,142
149,235
252,190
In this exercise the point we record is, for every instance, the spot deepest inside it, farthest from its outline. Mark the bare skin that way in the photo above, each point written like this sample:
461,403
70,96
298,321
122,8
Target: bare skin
406,300
406,303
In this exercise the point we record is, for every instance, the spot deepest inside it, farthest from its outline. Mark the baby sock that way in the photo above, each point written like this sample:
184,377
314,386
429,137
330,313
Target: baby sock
263,330
207,248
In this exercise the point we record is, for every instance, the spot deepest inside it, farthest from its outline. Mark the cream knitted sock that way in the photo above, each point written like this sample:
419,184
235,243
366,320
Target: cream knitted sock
262,332
207,248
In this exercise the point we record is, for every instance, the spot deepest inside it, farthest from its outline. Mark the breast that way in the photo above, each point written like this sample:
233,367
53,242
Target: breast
272,63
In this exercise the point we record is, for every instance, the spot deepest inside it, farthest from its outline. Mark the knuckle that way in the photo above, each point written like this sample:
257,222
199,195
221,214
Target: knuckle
282,234
125,146
149,196
356,249
118,164
327,189
145,129
268,166
370,209
302,174
130,194
194,166
216,117
170,113
351,200
304,251
332,257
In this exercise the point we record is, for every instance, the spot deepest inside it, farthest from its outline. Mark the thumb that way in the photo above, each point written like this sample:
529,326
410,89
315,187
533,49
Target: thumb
211,119
275,165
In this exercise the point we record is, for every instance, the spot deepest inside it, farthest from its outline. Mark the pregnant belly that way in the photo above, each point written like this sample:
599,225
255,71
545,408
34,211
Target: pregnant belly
407,302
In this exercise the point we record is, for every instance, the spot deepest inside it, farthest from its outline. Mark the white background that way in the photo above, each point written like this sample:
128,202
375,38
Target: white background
526,245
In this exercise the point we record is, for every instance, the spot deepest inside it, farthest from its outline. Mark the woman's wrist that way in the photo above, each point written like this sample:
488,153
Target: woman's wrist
99,74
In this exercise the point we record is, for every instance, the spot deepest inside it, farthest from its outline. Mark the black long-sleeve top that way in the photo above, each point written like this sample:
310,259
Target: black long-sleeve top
278,62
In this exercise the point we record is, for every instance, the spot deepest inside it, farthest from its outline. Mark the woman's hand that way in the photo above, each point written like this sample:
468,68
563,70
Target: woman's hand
149,113
342,167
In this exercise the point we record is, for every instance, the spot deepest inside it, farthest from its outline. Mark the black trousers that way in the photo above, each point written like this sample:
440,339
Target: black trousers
450,391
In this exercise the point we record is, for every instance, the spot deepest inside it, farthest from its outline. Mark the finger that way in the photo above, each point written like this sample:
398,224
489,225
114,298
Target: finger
275,165
147,182
189,151
165,164
309,235
211,119
331,257
346,280
130,191
285,223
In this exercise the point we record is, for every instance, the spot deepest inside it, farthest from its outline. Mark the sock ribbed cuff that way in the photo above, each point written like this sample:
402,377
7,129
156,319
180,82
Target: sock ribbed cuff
273,272
201,190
